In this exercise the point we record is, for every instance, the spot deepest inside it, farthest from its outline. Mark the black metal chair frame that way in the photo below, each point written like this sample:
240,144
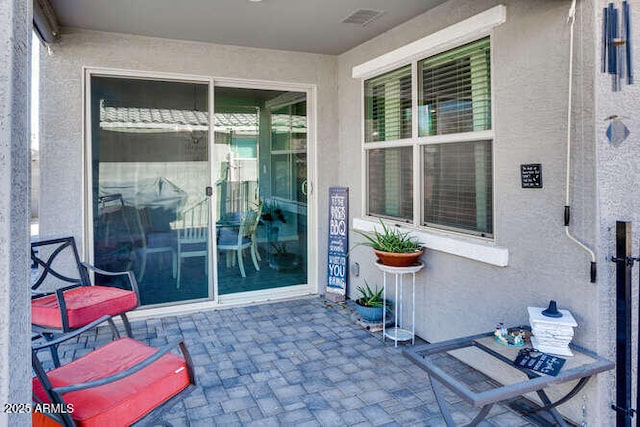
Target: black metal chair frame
55,393
83,280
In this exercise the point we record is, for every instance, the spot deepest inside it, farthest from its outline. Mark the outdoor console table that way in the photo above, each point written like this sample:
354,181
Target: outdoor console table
580,367
400,331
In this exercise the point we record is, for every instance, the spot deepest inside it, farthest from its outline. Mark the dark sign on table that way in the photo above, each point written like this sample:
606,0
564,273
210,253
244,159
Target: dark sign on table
531,175
539,362
338,239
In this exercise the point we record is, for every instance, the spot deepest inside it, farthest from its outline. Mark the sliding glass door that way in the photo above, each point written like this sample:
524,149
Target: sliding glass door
149,176
260,152
175,201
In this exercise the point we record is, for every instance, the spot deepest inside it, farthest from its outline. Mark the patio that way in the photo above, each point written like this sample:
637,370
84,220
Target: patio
298,362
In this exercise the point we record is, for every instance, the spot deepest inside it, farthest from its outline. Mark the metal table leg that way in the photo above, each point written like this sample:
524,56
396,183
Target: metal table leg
550,409
435,386
566,398
446,414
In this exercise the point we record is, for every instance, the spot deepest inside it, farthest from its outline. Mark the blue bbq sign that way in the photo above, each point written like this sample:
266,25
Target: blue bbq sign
338,239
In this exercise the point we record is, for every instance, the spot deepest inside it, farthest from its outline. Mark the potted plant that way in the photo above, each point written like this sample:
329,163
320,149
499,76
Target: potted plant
281,258
271,219
392,246
271,213
370,305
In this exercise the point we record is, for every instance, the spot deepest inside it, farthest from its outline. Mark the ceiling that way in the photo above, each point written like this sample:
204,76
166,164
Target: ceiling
299,25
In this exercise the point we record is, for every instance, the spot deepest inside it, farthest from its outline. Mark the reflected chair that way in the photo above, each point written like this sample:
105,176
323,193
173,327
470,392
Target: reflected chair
244,237
153,242
121,383
63,295
125,233
193,235
113,236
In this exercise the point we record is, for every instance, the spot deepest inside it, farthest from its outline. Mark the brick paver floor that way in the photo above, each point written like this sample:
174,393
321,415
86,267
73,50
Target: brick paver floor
302,362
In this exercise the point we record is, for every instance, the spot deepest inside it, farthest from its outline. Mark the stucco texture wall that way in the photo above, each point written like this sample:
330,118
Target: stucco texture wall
618,196
62,100
458,296
15,318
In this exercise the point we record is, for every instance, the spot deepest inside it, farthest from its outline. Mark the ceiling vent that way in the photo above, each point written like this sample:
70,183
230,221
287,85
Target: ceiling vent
363,16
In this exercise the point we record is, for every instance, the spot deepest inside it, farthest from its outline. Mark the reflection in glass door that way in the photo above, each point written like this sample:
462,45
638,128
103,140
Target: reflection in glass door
149,172
260,155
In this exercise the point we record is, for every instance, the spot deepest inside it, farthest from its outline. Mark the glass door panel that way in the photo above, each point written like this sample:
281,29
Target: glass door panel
260,183
149,171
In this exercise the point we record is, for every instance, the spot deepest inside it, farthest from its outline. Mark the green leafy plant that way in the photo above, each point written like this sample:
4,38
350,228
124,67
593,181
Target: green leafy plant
369,297
389,240
271,212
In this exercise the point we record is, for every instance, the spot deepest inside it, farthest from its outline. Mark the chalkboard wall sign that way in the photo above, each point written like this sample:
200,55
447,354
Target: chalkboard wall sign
539,362
338,240
531,175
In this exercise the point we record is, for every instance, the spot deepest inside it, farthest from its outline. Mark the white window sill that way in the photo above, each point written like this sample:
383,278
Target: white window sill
485,252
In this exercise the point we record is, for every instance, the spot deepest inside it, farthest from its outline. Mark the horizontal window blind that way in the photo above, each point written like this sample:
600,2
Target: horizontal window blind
391,182
458,186
455,90
388,106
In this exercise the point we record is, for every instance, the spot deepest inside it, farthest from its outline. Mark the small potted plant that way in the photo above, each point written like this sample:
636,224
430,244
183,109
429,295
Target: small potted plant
370,305
271,213
392,246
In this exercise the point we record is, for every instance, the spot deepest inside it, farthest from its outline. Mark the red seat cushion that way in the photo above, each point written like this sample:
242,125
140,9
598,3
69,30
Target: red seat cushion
124,401
84,305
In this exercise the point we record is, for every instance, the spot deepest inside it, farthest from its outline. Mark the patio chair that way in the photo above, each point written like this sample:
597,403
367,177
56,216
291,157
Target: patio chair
121,383
193,235
240,239
63,295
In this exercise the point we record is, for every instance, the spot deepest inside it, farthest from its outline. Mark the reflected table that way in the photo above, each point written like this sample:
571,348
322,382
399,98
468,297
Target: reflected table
582,366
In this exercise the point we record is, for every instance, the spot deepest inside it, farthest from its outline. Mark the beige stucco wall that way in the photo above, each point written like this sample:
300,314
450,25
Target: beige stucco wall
457,296
61,105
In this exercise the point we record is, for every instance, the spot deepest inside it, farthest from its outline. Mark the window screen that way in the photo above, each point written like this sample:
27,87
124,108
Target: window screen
455,90
388,106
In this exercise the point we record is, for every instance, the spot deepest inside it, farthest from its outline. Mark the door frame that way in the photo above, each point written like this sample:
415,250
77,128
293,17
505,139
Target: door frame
214,300
311,287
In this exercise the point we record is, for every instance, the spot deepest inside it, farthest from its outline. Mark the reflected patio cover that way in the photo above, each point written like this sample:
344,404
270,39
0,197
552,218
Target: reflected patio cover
158,120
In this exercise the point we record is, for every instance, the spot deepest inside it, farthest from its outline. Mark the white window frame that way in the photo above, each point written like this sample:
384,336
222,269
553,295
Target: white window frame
451,241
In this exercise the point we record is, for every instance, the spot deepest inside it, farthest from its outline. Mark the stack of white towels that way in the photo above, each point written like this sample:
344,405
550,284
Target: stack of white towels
551,335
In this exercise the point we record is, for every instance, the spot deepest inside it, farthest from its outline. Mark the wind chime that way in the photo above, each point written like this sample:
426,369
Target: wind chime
616,44
617,61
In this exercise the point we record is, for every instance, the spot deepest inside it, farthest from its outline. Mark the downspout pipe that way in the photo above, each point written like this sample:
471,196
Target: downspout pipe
567,208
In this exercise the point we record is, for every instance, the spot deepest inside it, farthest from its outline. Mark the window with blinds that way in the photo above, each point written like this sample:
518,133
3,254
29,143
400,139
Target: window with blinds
456,176
388,106
455,90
